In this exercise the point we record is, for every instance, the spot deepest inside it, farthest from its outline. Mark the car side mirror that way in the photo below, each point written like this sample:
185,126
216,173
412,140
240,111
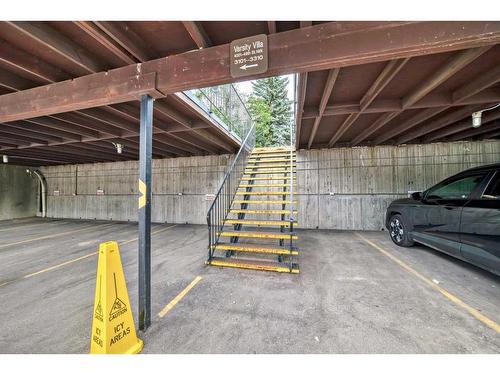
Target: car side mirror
417,195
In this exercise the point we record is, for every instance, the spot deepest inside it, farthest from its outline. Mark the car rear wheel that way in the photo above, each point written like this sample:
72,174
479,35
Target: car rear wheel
398,231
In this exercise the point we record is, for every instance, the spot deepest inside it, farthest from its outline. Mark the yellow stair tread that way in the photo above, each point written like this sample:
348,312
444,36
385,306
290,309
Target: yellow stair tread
250,201
267,235
251,248
265,185
271,156
278,165
253,266
268,178
262,193
270,160
272,170
240,211
280,171
277,223
272,148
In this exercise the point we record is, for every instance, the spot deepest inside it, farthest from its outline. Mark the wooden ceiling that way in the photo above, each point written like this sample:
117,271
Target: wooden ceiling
409,87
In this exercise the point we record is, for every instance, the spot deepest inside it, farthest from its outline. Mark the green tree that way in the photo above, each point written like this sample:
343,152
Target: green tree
271,110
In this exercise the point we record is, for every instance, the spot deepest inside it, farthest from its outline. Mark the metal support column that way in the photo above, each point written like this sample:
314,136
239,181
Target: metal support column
145,153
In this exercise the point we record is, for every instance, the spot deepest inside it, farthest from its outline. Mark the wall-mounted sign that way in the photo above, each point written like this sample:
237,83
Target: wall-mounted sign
56,192
249,56
209,197
100,192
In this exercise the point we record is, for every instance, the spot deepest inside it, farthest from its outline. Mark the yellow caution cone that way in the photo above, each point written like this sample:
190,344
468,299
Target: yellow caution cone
113,329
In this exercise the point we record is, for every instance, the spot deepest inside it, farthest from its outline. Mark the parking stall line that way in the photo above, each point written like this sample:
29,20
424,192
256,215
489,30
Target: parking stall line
450,296
54,235
57,266
180,296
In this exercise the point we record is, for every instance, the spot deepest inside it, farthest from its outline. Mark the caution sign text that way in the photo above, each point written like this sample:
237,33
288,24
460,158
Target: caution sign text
113,330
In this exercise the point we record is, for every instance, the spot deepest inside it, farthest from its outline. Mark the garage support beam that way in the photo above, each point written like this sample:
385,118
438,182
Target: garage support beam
145,151
432,101
312,48
385,77
327,92
461,126
197,33
454,64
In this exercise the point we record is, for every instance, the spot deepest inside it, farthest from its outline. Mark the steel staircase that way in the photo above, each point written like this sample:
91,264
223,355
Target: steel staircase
256,228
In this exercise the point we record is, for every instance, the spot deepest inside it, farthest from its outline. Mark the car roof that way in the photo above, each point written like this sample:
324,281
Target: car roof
483,168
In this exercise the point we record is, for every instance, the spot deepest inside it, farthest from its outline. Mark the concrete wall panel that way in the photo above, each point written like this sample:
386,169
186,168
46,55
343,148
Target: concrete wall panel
18,193
341,188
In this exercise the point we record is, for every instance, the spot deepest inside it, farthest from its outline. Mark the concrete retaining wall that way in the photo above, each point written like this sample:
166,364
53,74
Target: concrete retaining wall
179,191
350,188
18,193
342,188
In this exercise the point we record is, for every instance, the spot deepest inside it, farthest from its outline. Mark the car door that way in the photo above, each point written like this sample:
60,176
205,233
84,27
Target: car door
441,210
480,227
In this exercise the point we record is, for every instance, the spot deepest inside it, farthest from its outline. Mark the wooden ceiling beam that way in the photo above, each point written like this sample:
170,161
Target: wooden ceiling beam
108,120
197,33
432,100
133,144
485,128
454,65
98,115
29,66
33,162
451,67
96,33
121,33
462,94
55,123
13,82
461,126
315,48
38,128
8,128
417,118
437,123
173,146
383,79
480,83
98,150
40,154
79,119
27,139
492,133
192,141
325,97
59,44
271,27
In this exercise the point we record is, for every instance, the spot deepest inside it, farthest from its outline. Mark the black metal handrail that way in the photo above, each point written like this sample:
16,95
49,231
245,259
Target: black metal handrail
219,209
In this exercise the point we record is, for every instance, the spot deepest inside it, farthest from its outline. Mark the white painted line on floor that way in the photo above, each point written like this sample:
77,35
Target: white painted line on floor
474,312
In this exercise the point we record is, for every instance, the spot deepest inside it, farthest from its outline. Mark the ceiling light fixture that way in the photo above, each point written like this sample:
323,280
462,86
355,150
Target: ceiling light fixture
476,116
119,147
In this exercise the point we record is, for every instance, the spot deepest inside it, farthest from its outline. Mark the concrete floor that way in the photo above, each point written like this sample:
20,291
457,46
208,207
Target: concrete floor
348,298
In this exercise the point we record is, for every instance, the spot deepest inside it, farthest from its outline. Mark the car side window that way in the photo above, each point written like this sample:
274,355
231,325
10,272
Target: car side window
460,188
493,189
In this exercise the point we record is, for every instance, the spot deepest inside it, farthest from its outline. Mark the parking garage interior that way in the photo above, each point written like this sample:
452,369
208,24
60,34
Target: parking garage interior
382,109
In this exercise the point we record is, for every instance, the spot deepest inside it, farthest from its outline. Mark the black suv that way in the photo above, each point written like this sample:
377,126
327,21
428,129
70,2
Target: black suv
459,216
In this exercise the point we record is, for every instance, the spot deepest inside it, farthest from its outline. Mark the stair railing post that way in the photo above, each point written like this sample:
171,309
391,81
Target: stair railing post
291,194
